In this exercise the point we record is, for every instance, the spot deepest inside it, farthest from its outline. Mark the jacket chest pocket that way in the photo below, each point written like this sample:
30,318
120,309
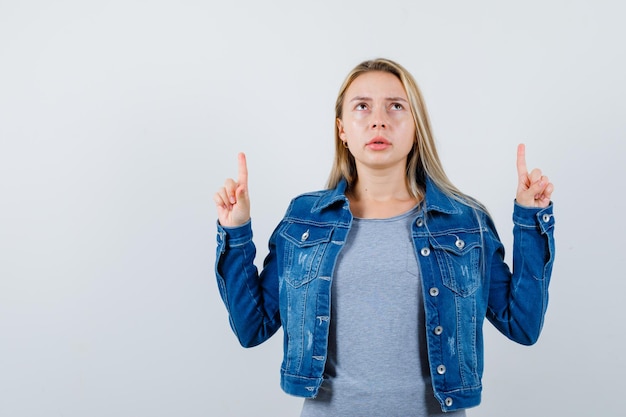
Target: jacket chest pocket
305,246
459,259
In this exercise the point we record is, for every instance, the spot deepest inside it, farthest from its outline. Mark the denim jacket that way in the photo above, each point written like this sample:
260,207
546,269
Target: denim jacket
464,279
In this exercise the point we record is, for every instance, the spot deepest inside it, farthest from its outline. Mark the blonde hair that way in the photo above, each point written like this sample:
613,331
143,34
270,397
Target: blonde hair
423,159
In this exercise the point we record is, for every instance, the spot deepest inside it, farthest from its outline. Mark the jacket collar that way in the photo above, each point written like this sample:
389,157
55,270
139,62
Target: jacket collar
331,196
435,199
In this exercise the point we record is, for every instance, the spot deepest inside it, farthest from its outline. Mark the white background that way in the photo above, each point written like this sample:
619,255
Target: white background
120,119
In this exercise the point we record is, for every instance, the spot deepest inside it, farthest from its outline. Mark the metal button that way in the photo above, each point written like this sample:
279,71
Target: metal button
305,235
419,222
434,291
441,369
448,402
459,244
438,330
546,218
425,251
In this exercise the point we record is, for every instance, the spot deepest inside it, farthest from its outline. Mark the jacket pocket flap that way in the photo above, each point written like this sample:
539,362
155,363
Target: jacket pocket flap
458,243
303,235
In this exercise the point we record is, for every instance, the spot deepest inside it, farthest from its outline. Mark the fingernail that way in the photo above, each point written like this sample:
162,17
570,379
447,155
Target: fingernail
232,200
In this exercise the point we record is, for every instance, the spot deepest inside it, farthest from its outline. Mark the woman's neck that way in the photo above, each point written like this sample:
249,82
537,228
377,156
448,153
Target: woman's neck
380,196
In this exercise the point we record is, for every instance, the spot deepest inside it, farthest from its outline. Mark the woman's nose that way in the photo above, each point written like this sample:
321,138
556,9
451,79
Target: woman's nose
378,120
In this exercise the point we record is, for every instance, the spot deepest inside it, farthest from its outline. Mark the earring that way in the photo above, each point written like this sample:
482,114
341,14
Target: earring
345,144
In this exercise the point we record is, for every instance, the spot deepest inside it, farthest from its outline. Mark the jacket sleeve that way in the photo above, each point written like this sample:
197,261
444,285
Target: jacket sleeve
518,301
250,298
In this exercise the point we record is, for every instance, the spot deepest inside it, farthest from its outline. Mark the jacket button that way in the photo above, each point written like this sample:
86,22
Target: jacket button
434,291
459,244
438,330
441,369
425,251
305,236
546,218
419,222
448,402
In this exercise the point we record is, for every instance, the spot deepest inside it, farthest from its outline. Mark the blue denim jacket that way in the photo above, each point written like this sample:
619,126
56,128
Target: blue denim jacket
464,279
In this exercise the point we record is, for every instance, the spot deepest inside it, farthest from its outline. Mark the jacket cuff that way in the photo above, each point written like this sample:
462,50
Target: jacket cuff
532,217
228,237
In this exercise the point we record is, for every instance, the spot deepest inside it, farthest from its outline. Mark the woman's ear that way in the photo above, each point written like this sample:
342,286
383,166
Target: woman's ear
342,133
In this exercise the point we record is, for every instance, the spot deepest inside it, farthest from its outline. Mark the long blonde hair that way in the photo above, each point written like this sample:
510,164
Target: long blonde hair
423,159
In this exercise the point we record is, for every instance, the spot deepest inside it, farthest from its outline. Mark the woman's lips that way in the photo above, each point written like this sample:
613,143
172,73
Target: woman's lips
378,143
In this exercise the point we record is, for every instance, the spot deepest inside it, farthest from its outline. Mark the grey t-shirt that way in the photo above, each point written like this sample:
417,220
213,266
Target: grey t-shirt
377,358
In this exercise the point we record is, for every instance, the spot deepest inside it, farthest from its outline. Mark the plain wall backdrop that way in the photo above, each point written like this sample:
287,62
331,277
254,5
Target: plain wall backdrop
120,119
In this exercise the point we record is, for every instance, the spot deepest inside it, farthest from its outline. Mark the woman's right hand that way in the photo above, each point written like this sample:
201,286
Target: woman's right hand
232,200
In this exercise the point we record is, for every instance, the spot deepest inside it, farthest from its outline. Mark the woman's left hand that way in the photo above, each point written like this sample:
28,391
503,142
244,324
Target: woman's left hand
533,189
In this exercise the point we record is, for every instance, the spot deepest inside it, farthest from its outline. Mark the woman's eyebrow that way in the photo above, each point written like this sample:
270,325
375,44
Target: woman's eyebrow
396,99
361,98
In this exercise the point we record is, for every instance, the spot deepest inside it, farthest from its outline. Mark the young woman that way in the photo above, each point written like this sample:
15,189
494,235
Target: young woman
382,281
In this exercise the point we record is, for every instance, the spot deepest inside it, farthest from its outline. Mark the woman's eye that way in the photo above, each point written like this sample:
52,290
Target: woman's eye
397,106
361,106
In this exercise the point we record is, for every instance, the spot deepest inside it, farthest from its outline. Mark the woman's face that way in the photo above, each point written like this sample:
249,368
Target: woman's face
377,123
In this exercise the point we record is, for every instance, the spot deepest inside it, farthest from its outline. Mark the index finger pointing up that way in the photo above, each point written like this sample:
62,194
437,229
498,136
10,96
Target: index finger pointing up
521,160
242,177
